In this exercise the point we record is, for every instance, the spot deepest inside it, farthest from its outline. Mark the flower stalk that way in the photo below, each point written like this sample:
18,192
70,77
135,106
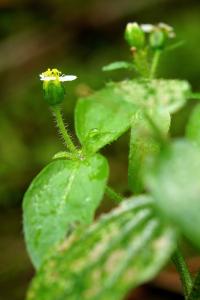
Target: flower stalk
63,130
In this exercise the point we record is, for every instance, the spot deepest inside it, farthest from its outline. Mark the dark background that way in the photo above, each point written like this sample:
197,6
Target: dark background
78,37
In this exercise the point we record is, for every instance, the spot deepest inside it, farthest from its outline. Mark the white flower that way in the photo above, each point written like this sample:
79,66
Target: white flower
148,28
54,74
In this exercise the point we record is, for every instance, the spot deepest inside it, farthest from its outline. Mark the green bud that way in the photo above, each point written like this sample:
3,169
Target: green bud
157,39
134,35
54,92
52,85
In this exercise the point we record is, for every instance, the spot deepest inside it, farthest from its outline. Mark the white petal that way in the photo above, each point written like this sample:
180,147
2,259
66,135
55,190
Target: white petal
147,27
47,78
67,77
165,26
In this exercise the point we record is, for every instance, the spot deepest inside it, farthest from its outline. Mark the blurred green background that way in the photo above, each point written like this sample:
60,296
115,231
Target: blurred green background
78,37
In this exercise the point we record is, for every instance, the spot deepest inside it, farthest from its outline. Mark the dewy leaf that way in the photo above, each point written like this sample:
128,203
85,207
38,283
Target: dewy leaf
143,144
64,194
118,65
121,250
193,126
104,116
174,183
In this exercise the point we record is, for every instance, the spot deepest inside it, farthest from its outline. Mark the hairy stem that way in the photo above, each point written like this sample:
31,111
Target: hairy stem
63,129
183,271
113,195
195,292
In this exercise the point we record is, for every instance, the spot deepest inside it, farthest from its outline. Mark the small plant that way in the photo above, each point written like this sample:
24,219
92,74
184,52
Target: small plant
79,258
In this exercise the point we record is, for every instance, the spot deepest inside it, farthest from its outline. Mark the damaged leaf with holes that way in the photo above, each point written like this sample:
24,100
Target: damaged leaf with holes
123,249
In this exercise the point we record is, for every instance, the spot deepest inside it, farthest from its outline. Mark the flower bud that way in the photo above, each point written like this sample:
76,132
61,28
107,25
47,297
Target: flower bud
134,35
53,92
52,85
157,39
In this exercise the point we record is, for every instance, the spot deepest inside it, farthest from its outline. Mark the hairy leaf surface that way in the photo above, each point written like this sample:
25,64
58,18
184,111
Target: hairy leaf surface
121,250
64,193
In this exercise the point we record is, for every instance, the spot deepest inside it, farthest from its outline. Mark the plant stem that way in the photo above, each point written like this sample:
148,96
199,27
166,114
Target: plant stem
63,129
141,63
113,195
154,64
157,132
183,271
195,292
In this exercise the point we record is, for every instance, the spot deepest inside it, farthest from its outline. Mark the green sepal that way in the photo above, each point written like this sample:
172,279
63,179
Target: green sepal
54,92
157,39
134,35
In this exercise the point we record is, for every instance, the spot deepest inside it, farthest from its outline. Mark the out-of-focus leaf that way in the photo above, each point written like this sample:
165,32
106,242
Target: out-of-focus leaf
193,126
174,183
143,144
64,193
120,251
118,65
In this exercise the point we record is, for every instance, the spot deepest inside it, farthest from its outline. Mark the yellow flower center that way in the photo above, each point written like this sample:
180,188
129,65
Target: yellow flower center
52,73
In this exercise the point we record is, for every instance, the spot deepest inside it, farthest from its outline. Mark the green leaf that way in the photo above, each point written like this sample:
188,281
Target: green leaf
102,117
193,126
123,249
167,94
143,145
174,183
64,194
118,65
